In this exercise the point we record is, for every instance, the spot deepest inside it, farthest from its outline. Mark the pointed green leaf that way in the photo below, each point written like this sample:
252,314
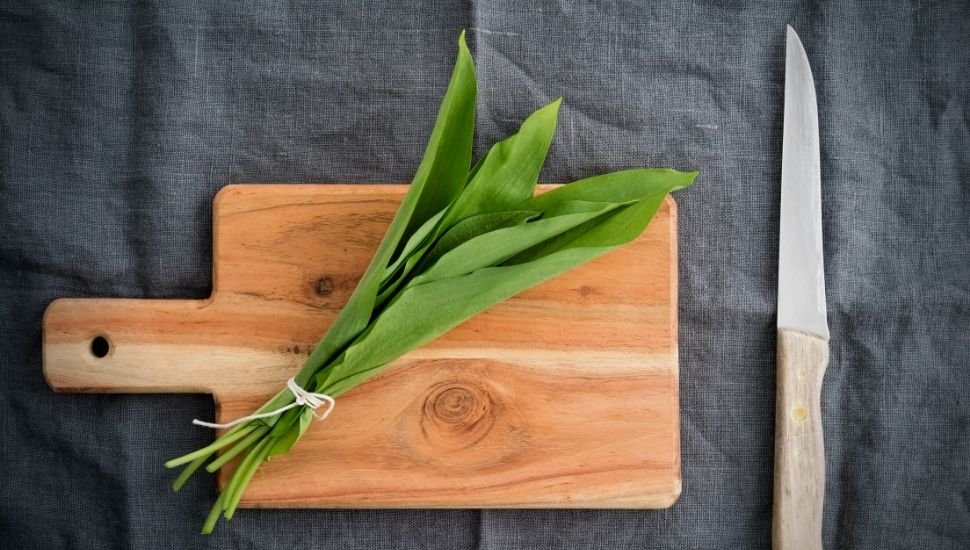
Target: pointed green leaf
647,186
415,243
508,173
505,175
621,186
440,177
443,172
429,252
501,244
472,227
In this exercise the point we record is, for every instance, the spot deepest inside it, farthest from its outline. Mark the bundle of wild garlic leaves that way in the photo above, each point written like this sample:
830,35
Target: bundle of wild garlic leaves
462,240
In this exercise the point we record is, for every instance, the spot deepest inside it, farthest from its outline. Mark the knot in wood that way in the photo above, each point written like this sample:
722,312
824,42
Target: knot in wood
324,286
457,414
456,404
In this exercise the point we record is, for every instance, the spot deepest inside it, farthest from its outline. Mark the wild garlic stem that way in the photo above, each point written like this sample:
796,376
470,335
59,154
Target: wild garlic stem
251,440
187,472
225,439
257,455
213,517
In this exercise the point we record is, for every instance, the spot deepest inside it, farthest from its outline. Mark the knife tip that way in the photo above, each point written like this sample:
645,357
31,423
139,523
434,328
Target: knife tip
793,42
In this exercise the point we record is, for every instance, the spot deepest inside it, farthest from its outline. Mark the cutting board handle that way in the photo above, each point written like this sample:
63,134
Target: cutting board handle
95,345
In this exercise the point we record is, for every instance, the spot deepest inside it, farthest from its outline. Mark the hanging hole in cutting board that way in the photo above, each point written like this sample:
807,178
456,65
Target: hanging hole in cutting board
100,347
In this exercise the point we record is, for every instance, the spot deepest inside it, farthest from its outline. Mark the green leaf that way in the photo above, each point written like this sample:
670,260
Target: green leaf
646,186
478,164
472,227
443,171
439,179
621,186
507,175
419,243
501,244
416,243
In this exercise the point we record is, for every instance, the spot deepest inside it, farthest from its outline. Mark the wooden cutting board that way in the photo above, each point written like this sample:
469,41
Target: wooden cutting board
563,396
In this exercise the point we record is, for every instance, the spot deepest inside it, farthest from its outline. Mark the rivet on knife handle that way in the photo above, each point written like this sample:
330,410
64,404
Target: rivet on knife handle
799,448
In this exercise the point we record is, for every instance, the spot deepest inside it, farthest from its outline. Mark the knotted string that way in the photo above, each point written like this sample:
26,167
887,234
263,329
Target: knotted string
301,397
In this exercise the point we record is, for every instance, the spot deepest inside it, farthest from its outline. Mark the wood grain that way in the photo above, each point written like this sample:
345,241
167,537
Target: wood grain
799,487
563,396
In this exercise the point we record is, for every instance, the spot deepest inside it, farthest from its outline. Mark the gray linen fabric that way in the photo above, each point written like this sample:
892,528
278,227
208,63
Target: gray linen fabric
119,121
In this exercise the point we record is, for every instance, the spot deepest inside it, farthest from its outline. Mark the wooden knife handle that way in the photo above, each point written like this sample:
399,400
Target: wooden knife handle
799,449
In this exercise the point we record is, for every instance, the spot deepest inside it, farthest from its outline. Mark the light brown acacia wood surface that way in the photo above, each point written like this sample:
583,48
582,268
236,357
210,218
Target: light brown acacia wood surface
563,396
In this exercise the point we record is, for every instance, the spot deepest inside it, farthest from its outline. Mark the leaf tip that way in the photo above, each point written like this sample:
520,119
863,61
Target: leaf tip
464,56
550,110
689,178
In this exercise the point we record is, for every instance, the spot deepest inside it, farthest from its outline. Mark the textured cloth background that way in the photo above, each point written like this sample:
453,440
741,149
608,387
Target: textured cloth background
119,122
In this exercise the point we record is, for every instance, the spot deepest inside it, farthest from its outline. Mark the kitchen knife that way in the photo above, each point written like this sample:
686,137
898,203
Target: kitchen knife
803,333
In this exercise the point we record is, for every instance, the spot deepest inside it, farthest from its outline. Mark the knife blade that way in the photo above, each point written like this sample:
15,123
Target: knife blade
803,334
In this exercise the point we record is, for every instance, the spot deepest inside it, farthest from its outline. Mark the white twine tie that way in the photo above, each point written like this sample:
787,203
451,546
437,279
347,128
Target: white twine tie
301,396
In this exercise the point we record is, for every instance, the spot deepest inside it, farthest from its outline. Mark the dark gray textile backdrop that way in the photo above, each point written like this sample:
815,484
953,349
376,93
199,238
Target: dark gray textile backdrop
121,121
